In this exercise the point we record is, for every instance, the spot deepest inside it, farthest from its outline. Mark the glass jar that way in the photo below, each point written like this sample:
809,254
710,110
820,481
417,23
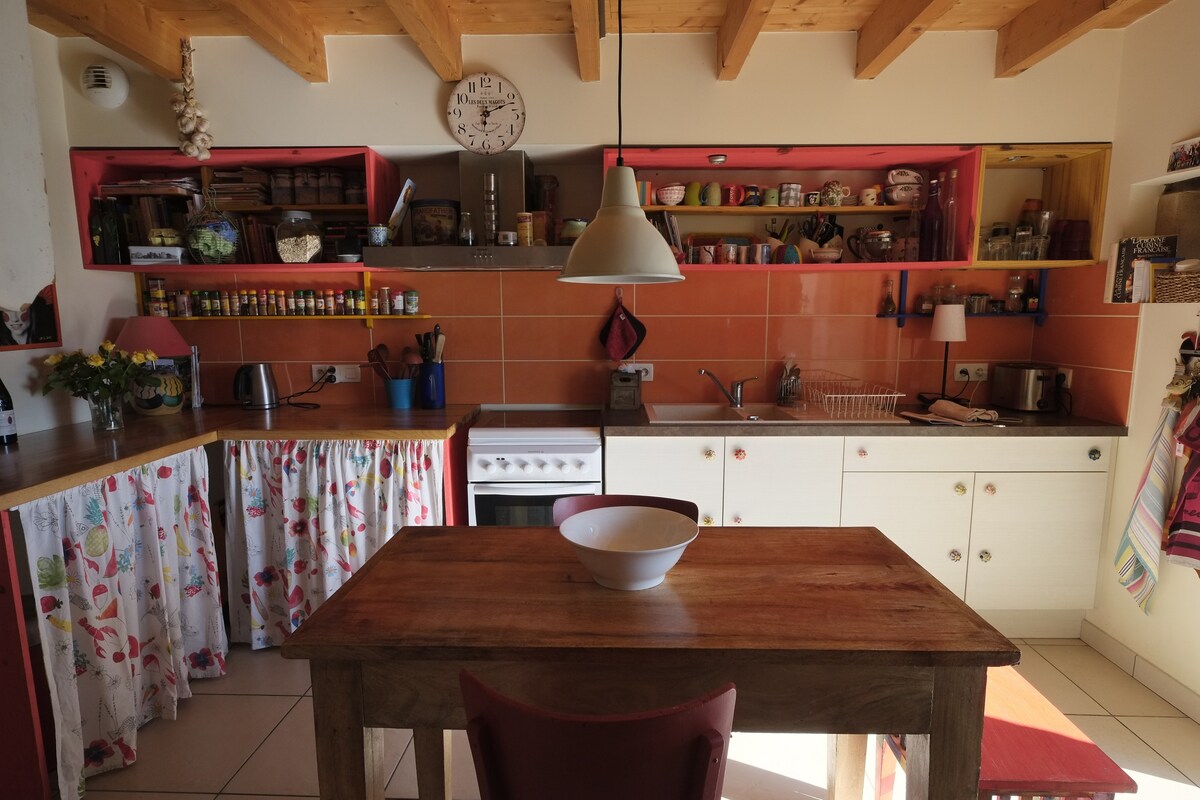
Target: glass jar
572,228
999,248
298,238
952,297
1014,302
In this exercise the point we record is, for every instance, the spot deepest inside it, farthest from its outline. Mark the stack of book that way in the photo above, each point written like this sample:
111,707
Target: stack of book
241,186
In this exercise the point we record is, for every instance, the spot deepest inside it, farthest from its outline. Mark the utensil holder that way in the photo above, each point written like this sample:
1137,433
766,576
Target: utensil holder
431,385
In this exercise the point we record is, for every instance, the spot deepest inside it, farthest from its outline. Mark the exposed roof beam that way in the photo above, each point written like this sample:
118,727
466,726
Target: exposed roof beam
744,19
1047,26
127,27
891,29
585,15
283,33
435,32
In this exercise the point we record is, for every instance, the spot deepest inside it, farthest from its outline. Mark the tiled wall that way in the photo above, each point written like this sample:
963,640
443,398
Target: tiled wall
523,337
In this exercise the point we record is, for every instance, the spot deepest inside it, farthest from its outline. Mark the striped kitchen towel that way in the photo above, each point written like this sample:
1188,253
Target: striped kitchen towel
1137,555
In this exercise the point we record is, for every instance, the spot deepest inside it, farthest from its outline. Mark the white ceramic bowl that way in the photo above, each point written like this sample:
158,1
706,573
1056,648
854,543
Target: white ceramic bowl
671,194
826,255
629,547
349,259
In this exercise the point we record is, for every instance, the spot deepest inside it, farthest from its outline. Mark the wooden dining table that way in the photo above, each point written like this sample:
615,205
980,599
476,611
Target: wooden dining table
830,630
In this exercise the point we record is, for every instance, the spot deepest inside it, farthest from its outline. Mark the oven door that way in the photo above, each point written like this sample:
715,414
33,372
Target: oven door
519,504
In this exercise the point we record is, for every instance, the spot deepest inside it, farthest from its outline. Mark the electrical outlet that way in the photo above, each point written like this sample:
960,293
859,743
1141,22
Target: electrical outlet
1065,376
970,372
342,373
647,370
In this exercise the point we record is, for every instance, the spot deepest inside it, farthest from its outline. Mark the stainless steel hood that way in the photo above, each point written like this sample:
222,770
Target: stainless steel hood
462,259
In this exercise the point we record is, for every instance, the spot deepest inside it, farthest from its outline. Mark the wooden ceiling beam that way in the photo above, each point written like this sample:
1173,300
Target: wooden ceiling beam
585,16
128,27
283,33
890,29
1048,26
744,20
436,33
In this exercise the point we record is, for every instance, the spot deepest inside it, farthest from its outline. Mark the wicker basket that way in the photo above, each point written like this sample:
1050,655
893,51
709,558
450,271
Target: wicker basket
212,237
1176,287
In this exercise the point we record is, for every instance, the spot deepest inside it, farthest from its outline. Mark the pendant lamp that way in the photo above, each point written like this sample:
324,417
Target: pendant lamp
620,245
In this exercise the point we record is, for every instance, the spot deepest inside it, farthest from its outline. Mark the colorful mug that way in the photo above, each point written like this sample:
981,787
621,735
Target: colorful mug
790,194
711,194
753,196
691,194
732,194
771,197
812,199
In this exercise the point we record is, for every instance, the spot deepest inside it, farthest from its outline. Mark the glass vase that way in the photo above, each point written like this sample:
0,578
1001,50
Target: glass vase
107,412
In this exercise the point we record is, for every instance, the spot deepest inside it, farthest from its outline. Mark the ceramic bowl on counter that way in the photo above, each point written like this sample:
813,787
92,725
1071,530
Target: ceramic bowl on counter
629,547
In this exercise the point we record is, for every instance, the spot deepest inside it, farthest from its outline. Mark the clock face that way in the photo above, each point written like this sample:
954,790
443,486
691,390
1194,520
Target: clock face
486,113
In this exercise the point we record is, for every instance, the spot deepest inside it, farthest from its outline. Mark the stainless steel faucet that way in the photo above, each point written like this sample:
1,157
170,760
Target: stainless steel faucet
734,393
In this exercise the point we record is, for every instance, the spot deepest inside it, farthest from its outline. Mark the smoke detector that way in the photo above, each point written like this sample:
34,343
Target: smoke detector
104,83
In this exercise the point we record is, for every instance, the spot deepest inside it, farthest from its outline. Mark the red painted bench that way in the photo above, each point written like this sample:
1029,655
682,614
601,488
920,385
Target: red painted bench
1030,749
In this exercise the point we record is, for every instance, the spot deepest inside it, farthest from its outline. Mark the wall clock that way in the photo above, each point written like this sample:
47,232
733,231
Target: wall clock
486,113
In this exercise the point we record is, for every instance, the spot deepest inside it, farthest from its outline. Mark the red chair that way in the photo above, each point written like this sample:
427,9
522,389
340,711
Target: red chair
573,504
526,753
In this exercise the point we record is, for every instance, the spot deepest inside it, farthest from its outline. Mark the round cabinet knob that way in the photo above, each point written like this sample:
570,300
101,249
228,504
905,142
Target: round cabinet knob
707,520
510,467
739,454
737,520
955,555
490,469
862,453
989,489
1094,454
960,489
527,468
709,455
985,556
545,468
582,466
565,468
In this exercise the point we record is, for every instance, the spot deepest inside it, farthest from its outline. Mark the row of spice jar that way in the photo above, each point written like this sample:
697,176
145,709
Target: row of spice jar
279,302
312,185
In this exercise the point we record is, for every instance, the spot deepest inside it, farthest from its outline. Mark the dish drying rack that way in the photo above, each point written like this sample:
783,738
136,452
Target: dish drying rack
840,396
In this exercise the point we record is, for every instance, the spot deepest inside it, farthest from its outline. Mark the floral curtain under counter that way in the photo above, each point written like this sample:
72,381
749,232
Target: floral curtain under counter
303,516
130,606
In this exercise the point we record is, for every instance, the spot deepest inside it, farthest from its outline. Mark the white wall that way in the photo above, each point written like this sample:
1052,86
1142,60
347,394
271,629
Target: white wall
1156,107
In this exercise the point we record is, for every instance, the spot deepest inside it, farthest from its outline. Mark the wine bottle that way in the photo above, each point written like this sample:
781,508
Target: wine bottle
96,231
930,247
8,418
1031,296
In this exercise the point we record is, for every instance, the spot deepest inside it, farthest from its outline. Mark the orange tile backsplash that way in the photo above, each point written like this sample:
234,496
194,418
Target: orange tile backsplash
523,337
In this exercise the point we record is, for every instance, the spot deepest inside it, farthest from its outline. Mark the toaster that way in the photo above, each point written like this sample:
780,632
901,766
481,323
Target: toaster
1025,386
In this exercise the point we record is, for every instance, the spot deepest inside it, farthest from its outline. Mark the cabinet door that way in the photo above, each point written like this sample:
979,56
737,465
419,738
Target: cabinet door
1035,539
928,514
686,467
783,480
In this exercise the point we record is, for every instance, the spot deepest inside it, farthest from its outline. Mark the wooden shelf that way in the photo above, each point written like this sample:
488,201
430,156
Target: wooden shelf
257,208
859,266
166,270
781,211
301,317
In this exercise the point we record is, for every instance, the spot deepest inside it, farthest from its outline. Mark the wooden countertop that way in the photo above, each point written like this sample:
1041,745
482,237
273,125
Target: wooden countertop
52,460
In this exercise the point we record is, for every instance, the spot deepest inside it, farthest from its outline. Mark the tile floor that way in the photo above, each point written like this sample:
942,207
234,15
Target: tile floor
249,736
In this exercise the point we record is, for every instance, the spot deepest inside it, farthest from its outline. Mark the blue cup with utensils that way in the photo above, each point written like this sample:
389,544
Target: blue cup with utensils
401,392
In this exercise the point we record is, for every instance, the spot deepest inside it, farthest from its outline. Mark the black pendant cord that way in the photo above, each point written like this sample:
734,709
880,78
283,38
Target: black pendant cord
620,77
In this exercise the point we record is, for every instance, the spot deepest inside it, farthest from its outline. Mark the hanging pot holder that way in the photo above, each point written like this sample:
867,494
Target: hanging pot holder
623,333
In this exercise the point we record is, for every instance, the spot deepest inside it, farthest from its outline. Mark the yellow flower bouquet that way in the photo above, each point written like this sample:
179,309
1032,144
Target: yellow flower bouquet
107,373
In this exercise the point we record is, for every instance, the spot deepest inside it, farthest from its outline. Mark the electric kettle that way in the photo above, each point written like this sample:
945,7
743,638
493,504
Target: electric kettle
254,387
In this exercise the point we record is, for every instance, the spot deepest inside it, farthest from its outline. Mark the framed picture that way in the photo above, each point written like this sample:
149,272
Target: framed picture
1184,155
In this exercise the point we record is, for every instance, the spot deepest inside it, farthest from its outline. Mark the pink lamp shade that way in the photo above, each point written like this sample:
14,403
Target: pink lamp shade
949,323
152,333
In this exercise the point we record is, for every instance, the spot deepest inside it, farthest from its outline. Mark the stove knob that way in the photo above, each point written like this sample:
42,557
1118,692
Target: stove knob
546,468
565,468
509,467
583,466
490,469
527,468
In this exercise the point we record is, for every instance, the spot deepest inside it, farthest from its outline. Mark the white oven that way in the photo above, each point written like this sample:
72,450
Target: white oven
514,474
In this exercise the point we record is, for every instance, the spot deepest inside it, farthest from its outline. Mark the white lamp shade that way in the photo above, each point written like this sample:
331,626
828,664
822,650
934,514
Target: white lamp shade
949,323
620,245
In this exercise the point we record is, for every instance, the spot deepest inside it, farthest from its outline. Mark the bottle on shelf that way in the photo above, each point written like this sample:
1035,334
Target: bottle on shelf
889,302
8,418
952,297
466,230
937,297
930,246
949,216
96,230
1031,296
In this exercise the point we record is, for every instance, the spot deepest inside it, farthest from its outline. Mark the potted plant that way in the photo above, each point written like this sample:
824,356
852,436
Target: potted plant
102,378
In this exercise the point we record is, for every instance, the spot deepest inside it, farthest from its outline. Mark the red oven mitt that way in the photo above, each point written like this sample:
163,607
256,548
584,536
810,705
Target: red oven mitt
622,334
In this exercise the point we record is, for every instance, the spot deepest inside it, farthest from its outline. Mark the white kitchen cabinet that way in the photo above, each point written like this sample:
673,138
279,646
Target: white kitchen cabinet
928,514
751,480
685,467
1006,523
783,480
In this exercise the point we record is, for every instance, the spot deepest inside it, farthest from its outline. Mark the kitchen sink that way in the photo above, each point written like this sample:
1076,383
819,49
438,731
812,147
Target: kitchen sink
753,413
